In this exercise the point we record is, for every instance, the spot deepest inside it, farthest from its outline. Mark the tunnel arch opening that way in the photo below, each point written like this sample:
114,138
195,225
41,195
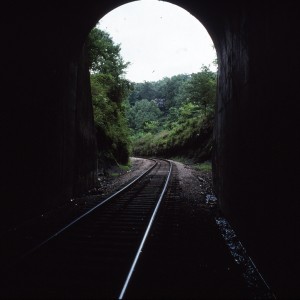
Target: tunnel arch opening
153,37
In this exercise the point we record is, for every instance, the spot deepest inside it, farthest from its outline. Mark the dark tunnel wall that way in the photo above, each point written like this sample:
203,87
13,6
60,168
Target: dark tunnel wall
48,142
257,128
48,131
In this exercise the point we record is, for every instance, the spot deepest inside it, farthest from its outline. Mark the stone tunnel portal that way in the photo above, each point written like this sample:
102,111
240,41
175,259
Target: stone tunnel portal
49,146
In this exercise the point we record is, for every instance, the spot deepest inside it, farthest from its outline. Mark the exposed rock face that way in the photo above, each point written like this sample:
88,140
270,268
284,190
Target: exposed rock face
86,148
48,140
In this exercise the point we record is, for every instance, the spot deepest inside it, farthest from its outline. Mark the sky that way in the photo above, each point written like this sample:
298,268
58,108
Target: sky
159,39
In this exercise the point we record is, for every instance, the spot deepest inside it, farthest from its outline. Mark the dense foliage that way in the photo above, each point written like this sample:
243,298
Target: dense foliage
174,116
109,90
169,117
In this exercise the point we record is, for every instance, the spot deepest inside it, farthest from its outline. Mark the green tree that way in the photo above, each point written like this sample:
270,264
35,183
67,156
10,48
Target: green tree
163,91
143,112
109,90
201,89
104,55
171,88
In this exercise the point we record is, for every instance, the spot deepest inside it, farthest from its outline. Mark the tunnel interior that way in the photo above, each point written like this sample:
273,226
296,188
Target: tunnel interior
49,148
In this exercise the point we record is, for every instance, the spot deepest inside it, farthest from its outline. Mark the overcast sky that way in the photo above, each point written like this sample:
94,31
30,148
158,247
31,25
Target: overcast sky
159,39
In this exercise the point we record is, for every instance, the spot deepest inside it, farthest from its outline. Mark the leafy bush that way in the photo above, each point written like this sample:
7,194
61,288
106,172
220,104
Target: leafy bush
109,90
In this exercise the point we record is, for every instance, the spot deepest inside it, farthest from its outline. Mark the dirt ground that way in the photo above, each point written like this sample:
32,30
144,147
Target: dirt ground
185,228
195,184
119,177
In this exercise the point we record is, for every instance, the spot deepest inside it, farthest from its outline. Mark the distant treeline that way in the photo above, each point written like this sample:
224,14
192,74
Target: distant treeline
173,116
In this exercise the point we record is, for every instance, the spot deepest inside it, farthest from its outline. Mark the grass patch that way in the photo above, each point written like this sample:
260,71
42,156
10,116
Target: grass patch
182,159
119,169
114,174
205,166
124,167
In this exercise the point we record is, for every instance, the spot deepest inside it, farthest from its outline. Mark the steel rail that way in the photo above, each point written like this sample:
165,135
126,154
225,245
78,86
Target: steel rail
89,211
139,251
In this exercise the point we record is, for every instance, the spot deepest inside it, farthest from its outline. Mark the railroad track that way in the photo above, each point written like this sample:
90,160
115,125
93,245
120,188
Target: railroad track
95,255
